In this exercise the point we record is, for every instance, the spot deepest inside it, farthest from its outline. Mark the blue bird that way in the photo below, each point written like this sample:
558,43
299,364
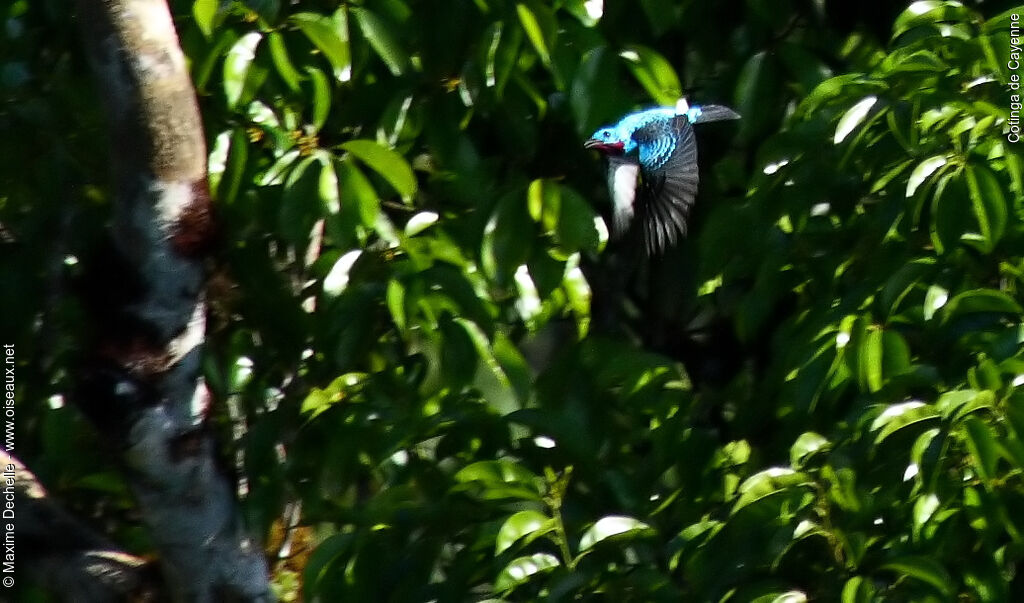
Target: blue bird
654,151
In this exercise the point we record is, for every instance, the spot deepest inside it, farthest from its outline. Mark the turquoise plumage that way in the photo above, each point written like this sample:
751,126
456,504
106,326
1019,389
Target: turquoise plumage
652,169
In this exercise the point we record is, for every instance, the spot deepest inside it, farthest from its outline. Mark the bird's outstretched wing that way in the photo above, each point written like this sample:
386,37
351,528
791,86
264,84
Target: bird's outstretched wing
706,113
668,180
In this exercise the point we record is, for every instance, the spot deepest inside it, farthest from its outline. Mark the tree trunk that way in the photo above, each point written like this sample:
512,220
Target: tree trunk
141,383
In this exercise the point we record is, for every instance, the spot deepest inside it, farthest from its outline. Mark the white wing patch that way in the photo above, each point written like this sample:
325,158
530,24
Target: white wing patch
622,181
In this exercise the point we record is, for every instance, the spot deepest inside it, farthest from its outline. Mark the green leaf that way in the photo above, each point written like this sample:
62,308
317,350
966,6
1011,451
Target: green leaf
959,403
853,117
924,509
612,525
280,169
521,569
328,187
483,349
890,175
227,165
383,40
901,415
300,205
654,73
759,95
356,188
337,279
237,66
577,230
389,164
420,222
978,301
910,59
925,569
507,240
950,213
934,299
589,12
903,281
395,299
858,590
983,446
929,12
500,479
514,366
590,105
520,525
988,203
869,360
283,64
578,291
539,24
895,354
768,482
922,171
502,42
808,444
330,36
205,14
544,200
319,400
324,556
321,97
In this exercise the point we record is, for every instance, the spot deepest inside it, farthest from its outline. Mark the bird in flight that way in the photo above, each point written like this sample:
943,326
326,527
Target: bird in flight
652,169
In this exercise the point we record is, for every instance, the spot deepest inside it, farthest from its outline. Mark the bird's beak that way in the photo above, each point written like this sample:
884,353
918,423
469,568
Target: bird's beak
604,147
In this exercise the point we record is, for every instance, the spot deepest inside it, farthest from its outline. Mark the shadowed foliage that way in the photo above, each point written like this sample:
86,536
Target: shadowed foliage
424,347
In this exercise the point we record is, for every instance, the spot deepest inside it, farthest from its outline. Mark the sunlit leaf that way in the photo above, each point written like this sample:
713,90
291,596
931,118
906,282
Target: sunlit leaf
768,482
654,73
925,569
858,590
613,525
500,479
321,96
521,569
330,36
205,13
806,445
981,301
389,164
279,54
988,203
521,525
901,415
929,12
958,403
237,65
355,188
328,187
853,117
539,25
922,171
981,441
382,38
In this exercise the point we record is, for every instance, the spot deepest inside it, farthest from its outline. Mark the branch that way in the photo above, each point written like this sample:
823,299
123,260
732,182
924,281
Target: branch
141,384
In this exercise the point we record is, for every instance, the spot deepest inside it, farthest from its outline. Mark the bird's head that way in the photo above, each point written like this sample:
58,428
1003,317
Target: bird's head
606,140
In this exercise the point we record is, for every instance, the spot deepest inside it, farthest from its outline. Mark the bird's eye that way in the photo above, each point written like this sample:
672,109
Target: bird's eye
605,134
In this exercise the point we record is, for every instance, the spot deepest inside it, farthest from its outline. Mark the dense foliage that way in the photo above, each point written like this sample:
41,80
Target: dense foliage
425,346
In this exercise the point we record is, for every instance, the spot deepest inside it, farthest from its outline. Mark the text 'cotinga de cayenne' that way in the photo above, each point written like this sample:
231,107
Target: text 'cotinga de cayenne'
655,150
